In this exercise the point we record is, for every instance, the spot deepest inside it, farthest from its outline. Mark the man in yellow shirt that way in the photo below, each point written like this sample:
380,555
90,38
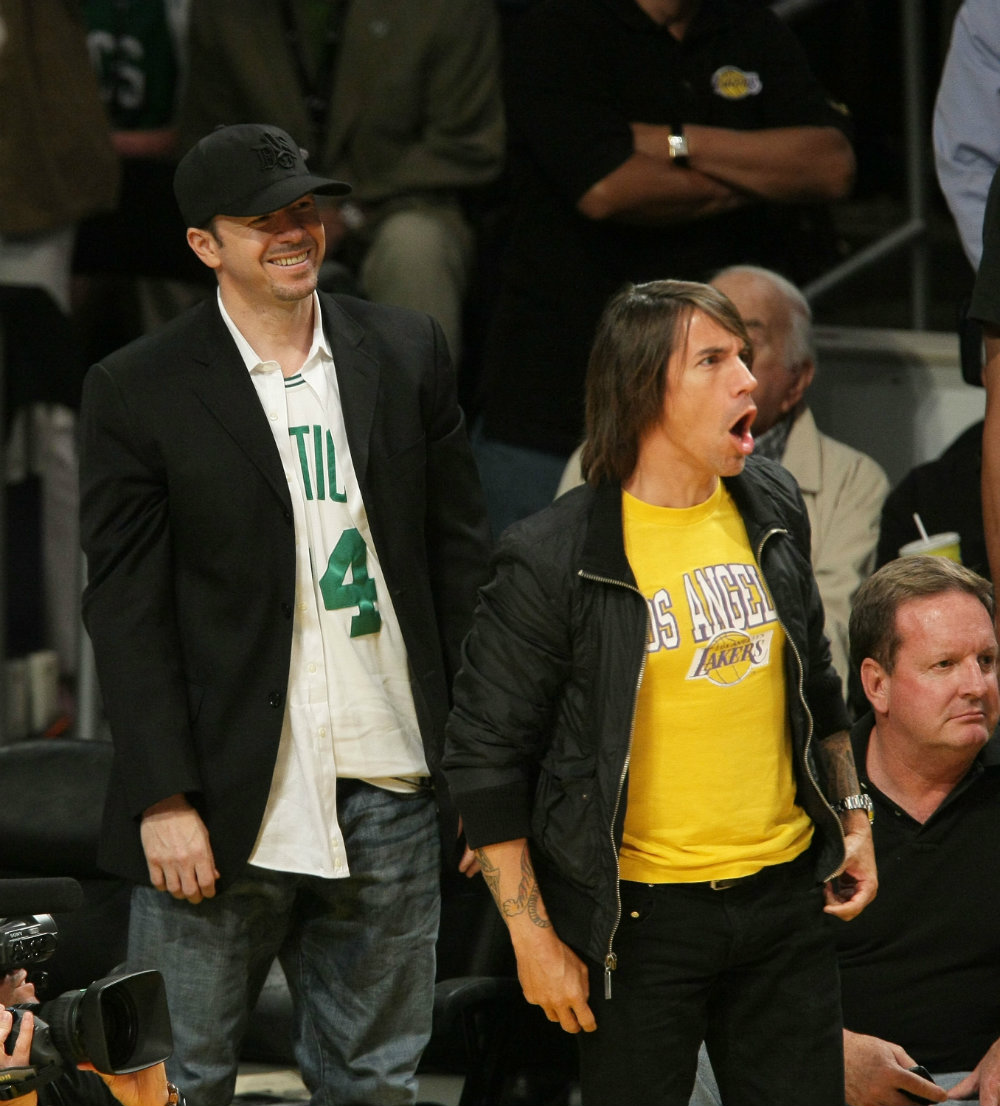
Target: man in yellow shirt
649,745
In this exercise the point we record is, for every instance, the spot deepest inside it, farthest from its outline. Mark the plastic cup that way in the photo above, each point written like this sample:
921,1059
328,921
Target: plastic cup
946,544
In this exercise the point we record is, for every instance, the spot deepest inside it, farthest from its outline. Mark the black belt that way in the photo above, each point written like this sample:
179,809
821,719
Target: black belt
788,867
732,881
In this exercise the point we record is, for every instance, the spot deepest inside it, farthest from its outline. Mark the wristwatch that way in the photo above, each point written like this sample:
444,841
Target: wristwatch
855,802
174,1096
677,146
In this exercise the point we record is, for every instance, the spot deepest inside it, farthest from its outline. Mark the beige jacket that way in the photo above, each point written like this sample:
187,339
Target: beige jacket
843,490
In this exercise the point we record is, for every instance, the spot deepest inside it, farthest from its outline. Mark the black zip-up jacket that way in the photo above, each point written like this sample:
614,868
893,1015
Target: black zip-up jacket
539,738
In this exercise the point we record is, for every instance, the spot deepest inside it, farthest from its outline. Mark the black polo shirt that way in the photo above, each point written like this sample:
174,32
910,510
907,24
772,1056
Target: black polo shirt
920,967
578,72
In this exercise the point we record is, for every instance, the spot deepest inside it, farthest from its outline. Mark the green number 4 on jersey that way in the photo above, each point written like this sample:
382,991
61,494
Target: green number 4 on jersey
350,552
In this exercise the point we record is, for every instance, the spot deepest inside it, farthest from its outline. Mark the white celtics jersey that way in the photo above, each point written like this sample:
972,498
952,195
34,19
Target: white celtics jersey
349,709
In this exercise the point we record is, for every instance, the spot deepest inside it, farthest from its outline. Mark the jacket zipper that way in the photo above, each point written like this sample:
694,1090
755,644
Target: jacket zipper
801,692
610,958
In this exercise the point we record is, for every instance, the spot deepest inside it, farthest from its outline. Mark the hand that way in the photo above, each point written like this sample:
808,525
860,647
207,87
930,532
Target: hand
178,851
983,1082
875,1074
19,1058
858,876
155,143
469,864
553,977
14,987
650,139
146,1087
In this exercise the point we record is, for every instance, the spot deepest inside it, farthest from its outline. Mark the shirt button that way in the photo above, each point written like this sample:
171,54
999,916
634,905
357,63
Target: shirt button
275,699
311,668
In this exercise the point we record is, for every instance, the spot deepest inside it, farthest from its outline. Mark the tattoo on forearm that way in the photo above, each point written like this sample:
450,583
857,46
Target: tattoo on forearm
491,873
527,900
838,763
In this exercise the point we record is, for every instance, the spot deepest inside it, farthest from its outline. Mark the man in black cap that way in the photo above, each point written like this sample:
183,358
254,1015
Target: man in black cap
285,535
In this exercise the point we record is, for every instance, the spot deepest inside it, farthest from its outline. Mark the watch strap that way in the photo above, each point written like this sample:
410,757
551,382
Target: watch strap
677,146
859,801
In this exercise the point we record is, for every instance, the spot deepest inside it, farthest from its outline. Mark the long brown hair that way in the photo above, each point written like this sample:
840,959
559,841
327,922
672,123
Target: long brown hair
641,328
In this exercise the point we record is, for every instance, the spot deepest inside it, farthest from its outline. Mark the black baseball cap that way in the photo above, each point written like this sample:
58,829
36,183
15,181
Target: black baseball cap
243,170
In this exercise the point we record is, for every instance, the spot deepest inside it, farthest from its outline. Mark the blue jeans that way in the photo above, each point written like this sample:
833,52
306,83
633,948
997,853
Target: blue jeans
358,954
750,970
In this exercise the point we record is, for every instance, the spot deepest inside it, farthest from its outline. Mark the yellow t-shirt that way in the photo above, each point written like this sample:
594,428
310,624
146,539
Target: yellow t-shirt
711,788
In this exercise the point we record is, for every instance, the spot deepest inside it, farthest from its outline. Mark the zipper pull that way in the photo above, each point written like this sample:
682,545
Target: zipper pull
610,963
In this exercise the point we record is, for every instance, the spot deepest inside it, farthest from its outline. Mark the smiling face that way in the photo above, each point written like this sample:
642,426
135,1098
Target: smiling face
940,700
265,259
704,430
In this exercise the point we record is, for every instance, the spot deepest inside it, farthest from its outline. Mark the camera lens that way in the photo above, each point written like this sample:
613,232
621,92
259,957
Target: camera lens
61,1015
119,1024
78,1037
121,1027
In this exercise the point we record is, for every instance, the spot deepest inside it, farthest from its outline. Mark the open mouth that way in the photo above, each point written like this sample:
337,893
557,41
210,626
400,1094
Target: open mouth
740,430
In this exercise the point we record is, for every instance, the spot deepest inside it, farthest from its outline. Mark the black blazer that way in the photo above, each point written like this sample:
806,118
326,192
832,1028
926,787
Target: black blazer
186,522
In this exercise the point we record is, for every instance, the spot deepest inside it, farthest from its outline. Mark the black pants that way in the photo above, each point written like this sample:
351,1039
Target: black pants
751,970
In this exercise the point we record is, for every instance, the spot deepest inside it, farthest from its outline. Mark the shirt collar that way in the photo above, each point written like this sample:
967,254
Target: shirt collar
987,757
320,345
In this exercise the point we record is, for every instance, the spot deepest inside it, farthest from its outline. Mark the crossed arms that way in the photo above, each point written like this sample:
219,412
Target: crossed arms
728,169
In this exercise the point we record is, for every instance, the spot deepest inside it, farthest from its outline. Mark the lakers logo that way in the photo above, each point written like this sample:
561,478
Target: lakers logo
735,84
730,657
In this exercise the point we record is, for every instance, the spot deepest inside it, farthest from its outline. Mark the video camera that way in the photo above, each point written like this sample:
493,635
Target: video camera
119,1024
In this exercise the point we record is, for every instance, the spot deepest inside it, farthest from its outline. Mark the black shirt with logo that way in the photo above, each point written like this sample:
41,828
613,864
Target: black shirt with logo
578,73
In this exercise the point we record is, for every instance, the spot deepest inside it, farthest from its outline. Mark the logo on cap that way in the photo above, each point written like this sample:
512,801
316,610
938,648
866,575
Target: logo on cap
276,152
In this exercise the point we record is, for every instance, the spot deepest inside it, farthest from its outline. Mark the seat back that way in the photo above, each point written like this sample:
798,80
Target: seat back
50,819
